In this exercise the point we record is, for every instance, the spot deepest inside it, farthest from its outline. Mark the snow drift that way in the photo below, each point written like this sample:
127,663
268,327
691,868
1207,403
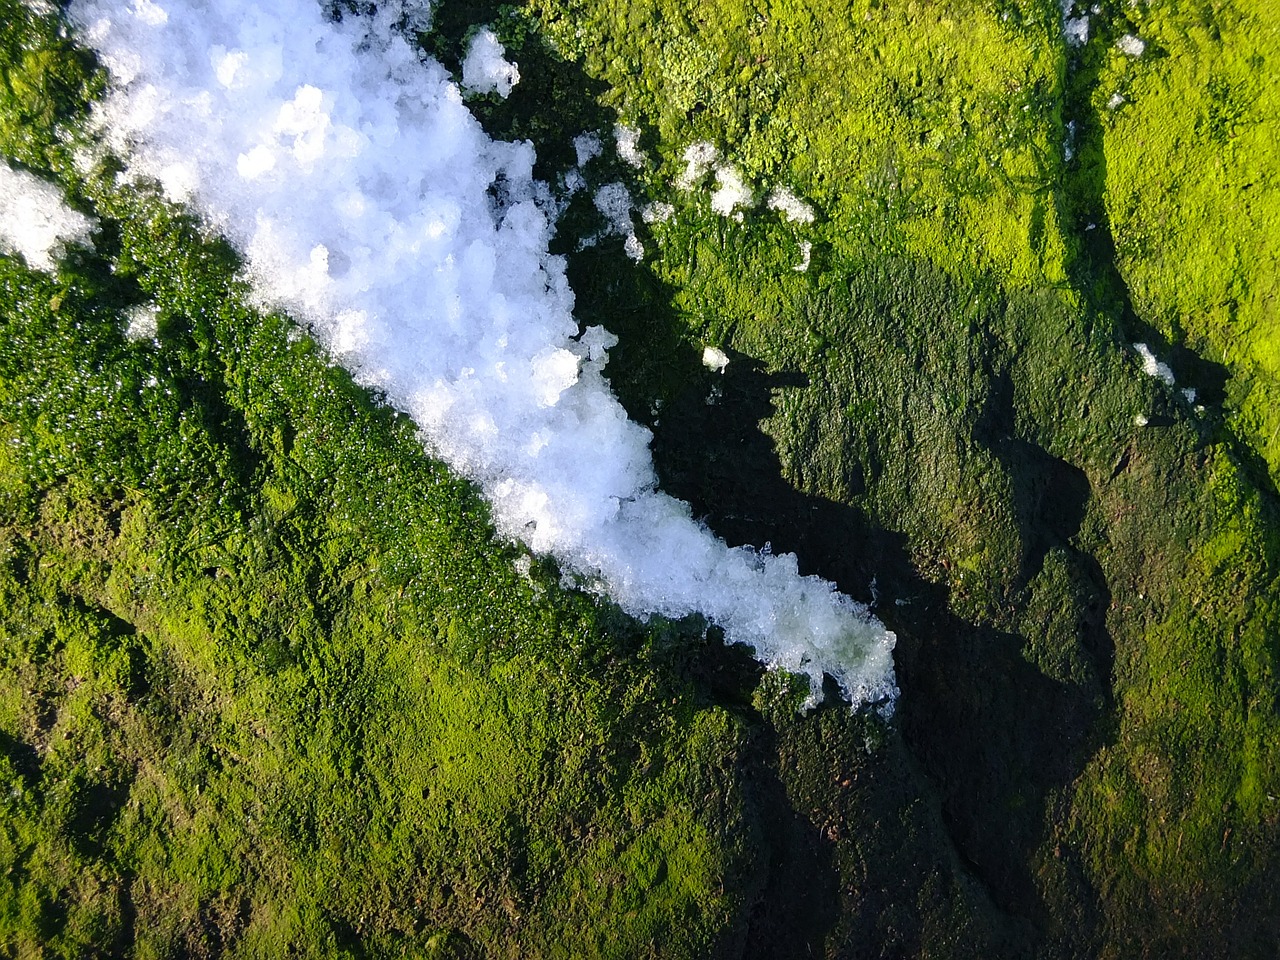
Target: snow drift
369,203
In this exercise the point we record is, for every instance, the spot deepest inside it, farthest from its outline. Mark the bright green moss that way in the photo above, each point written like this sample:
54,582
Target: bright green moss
945,116
265,712
1189,133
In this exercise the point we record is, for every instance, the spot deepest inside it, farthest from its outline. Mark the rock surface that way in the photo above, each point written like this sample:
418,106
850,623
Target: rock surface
267,682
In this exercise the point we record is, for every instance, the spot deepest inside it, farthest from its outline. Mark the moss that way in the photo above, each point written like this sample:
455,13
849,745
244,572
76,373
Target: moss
250,706
1180,803
945,117
947,399
1187,135
269,683
285,689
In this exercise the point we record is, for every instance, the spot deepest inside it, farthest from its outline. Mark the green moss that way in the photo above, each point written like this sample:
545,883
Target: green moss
267,682
946,117
950,389
1187,137
1181,801
259,693
277,685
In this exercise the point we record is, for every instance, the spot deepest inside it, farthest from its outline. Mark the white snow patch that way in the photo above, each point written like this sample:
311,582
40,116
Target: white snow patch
614,203
1151,366
143,322
1131,46
715,359
1075,29
380,226
730,193
699,158
806,254
152,14
35,221
586,147
485,69
790,206
573,182
627,141
657,212
524,567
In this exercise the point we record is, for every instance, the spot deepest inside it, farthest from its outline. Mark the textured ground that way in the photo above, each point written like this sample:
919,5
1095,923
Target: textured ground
268,685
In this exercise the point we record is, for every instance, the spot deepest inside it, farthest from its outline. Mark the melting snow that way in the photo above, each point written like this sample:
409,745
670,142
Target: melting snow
34,220
485,69
369,203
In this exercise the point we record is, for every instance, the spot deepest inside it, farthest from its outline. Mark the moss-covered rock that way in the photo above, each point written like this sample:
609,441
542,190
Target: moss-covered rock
269,683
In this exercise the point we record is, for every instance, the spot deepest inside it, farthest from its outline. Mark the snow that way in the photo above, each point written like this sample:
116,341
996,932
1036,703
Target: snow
1153,367
368,202
806,256
1131,46
730,193
1074,28
35,221
614,203
586,147
699,158
657,212
484,69
143,322
627,141
715,359
790,206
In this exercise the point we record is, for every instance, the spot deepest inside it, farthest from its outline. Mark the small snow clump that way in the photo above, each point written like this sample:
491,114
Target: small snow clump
806,253
1151,366
614,203
627,141
714,359
657,212
790,206
1131,46
586,147
143,322
35,221
484,69
730,193
699,158
1075,29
